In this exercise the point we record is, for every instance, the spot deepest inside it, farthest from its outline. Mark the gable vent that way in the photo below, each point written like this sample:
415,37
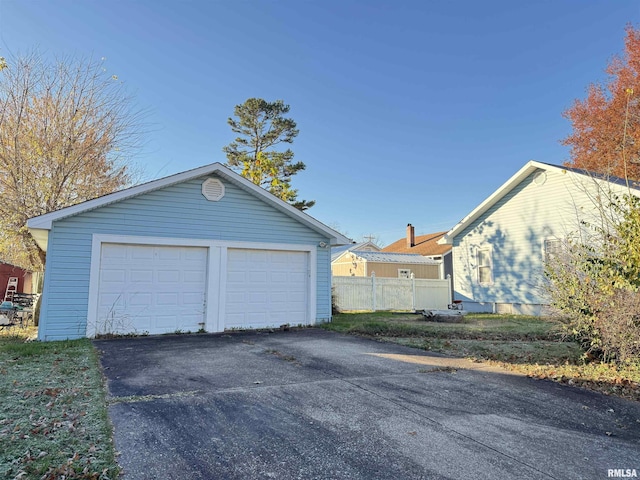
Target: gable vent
539,178
213,189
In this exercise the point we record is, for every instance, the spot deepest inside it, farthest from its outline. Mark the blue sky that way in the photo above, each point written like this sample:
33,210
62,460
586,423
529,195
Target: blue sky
409,111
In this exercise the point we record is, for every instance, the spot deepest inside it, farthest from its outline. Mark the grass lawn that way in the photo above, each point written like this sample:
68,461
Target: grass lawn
53,418
531,346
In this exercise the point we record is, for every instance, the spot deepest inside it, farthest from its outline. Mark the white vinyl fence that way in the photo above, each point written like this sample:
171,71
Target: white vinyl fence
371,293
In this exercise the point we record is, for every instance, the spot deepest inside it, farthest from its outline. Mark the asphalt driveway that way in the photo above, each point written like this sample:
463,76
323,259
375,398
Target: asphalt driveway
311,404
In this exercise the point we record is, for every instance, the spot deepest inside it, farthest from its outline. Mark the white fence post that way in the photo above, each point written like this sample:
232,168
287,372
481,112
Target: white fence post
413,292
450,285
373,292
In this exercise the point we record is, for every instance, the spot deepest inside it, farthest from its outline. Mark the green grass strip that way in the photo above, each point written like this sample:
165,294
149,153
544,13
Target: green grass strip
53,418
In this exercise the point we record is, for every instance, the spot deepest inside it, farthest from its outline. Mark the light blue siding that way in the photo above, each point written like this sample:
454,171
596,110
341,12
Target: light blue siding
514,229
178,211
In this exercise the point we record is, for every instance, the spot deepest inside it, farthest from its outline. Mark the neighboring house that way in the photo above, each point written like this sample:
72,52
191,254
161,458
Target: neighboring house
362,246
203,250
14,280
425,245
356,263
500,247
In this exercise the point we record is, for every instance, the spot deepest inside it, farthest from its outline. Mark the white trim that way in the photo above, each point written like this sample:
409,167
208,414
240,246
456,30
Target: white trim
489,249
216,272
292,247
45,222
142,240
222,297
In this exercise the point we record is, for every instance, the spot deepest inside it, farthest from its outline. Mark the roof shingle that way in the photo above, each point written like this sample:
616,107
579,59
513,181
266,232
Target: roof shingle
426,245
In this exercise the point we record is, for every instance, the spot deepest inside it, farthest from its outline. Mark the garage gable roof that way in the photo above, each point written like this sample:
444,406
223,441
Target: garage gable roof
529,168
39,226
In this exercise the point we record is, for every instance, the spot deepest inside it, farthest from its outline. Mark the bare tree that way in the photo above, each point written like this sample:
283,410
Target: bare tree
67,132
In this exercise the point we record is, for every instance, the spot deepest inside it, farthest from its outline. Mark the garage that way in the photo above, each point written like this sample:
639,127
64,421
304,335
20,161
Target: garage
201,250
266,288
151,289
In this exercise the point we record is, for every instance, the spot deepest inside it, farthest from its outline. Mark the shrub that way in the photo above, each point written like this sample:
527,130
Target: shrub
594,282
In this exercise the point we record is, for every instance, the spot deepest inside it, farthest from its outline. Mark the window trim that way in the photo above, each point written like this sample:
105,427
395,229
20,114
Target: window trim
407,270
545,253
489,255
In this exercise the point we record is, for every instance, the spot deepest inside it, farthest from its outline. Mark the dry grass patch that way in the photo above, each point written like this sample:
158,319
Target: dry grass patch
531,346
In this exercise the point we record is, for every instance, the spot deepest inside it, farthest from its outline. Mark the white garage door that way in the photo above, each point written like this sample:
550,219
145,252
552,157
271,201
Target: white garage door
154,289
266,288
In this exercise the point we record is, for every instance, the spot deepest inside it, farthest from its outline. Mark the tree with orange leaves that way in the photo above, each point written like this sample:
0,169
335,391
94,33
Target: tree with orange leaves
606,124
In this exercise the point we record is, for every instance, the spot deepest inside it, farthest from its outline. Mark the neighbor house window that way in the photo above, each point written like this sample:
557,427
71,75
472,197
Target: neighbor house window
404,273
552,248
484,265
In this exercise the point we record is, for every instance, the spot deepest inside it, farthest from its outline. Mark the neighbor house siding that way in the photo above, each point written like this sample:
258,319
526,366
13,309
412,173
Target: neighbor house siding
347,269
387,270
363,268
24,278
514,230
178,211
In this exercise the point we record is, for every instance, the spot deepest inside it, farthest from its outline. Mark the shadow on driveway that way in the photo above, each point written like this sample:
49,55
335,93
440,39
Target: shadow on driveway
312,404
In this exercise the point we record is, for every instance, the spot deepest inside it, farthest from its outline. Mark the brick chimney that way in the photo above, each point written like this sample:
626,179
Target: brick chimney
411,236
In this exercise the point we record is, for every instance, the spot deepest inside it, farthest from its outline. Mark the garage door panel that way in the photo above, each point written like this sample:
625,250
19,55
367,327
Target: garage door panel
280,277
266,288
110,299
142,324
192,299
167,322
168,253
115,276
138,276
138,252
110,251
257,299
192,320
297,277
234,298
140,299
167,299
279,298
168,276
234,320
151,289
194,276
297,297
281,262
256,318
235,277
259,277
197,255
